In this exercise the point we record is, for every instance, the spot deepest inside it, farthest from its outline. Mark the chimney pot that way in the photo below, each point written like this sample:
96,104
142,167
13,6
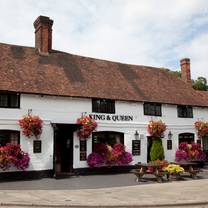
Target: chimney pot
43,34
185,70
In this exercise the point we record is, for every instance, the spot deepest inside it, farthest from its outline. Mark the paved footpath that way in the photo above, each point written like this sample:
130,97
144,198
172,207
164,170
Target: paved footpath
193,192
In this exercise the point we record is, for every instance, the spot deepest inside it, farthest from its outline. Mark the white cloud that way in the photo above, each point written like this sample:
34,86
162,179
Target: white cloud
146,32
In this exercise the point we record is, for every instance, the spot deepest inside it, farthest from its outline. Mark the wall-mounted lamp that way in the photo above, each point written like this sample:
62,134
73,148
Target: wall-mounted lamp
29,112
170,135
136,135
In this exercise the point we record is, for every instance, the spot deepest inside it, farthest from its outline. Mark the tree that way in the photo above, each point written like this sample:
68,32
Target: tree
200,84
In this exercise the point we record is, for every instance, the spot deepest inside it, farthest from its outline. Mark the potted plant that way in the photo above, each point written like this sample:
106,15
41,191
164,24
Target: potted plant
190,152
156,130
88,125
174,171
105,155
31,125
12,155
202,128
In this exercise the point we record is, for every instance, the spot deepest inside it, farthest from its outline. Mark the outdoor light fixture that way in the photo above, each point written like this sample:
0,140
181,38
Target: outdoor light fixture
170,135
29,111
136,135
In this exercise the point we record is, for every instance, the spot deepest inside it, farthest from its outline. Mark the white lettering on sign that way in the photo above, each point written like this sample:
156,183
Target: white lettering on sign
101,117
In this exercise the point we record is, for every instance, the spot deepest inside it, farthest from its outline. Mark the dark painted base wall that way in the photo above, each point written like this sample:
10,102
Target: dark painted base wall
31,175
104,170
25,175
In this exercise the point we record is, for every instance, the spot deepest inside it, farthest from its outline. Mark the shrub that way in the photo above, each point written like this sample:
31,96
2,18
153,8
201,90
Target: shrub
157,151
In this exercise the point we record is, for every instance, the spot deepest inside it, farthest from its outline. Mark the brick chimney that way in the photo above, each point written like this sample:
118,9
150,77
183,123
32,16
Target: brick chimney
185,70
43,34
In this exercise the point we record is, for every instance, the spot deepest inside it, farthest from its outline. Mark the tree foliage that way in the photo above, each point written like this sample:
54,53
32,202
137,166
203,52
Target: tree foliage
200,84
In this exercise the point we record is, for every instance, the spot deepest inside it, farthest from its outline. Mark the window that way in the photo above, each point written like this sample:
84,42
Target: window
103,106
186,137
9,136
185,111
107,137
169,144
9,100
152,109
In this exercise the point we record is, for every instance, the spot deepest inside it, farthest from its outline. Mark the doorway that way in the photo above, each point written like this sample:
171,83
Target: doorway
149,145
63,148
205,146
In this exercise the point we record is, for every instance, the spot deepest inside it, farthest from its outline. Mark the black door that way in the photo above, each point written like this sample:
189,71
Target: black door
64,148
149,145
205,146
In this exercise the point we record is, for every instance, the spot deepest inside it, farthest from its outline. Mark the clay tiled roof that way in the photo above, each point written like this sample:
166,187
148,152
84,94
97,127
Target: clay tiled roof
24,70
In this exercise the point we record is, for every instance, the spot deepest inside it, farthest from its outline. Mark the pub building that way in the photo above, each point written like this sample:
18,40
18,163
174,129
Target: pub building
60,88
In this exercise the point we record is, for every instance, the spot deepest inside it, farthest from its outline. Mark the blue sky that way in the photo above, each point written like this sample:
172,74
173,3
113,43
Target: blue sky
145,32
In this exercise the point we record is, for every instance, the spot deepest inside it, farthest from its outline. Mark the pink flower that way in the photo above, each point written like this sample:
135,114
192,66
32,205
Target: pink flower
95,160
12,154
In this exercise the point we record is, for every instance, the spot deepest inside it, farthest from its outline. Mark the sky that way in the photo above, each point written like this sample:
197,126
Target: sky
144,32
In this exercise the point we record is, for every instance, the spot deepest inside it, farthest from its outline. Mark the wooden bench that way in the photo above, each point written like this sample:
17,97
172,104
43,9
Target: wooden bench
190,167
144,169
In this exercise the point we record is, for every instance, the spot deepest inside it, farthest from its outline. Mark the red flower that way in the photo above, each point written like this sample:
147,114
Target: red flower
118,150
156,128
88,126
12,155
202,128
31,125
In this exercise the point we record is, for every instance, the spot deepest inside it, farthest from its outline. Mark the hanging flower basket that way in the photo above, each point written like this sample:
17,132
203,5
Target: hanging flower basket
31,126
88,125
202,128
156,129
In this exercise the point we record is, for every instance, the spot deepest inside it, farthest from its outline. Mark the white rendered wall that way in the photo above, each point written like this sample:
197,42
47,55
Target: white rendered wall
54,109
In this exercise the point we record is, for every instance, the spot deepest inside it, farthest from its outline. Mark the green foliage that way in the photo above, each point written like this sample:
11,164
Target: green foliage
174,73
200,84
157,151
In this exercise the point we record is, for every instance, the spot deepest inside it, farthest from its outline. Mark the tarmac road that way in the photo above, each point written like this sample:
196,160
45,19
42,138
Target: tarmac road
85,182
118,190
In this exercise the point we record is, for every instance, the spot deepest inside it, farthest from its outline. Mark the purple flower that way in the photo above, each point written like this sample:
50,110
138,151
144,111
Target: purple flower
95,160
181,155
125,159
23,162
201,156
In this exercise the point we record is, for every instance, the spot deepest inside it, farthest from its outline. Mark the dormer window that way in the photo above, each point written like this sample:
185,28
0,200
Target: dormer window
152,109
103,106
9,100
185,111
